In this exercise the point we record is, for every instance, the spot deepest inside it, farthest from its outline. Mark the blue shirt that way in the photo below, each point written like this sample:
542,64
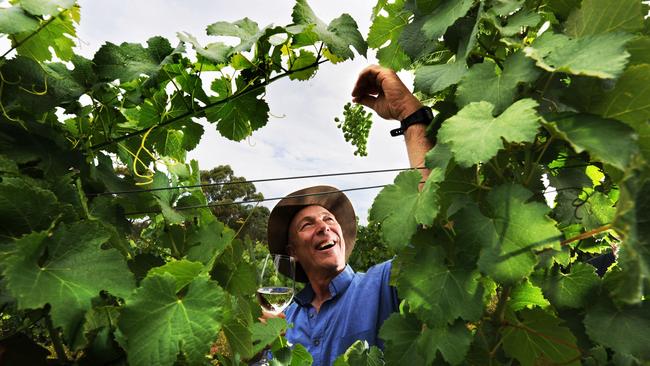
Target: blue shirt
359,304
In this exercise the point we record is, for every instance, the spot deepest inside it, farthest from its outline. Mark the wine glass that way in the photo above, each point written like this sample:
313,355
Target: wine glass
276,283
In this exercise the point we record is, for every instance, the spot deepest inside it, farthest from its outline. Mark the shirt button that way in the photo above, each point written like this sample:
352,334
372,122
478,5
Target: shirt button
316,342
311,316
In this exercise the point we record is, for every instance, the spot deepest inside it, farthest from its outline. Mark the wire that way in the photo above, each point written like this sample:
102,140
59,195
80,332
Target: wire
250,181
258,201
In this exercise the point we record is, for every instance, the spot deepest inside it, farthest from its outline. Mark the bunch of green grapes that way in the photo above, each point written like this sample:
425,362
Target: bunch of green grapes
356,126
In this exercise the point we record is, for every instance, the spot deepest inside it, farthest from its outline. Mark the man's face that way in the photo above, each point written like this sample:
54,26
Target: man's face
316,240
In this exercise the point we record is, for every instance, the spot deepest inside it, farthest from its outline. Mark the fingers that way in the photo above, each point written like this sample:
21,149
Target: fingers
367,83
368,100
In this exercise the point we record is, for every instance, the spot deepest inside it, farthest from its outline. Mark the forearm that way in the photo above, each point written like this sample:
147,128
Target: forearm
417,146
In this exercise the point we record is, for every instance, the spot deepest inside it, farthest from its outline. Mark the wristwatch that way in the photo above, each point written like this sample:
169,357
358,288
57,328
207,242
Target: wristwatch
423,115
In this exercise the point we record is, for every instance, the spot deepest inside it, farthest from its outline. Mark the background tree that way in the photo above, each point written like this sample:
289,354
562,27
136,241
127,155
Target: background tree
370,248
227,188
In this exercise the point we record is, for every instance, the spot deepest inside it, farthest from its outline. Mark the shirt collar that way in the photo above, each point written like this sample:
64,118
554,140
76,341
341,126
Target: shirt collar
337,287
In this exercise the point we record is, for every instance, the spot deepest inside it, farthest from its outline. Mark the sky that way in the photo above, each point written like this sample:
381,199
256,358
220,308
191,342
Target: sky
301,137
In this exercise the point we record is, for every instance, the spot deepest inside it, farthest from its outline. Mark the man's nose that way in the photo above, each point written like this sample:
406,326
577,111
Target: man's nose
322,226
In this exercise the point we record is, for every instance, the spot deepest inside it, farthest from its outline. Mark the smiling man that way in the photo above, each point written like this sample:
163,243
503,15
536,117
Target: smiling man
318,227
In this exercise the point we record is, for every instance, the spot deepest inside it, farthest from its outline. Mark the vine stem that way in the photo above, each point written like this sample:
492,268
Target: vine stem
587,234
499,313
20,43
56,340
201,109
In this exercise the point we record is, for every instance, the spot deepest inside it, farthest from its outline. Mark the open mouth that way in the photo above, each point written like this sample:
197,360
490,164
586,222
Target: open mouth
325,246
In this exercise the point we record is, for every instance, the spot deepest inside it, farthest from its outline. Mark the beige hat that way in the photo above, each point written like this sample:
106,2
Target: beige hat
329,197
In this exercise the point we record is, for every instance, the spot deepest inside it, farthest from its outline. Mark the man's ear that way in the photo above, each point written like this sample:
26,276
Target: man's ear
291,251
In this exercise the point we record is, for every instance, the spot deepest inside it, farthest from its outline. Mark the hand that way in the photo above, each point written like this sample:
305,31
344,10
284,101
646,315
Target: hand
382,90
266,315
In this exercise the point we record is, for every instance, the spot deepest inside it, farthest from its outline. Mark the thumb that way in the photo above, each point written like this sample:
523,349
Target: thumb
367,100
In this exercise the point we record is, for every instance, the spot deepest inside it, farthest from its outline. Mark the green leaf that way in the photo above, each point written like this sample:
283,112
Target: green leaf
525,295
562,8
444,16
401,206
130,60
25,207
59,34
436,292
475,136
625,330
600,55
265,334
359,354
304,60
14,20
451,341
158,322
606,140
540,339
66,270
338,36
509,233
401,334
434,78
603,16
216,52
409,342
486,82
389,29
514,23
239,117
639,49
166,198
628,102
184,271
208,241
46,7
245,29
234,274
572,290
633,218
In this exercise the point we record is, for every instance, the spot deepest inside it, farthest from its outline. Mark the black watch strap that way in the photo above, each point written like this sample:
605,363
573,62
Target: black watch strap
423,115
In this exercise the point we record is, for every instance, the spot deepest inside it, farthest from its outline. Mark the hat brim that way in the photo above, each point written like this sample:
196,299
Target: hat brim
328,197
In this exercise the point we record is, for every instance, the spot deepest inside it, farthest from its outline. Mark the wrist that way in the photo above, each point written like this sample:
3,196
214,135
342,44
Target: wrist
409,107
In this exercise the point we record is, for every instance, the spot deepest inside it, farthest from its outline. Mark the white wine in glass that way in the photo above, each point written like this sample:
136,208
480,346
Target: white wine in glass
277,283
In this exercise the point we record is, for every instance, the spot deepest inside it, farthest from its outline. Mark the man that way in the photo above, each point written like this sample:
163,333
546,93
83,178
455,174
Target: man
317,226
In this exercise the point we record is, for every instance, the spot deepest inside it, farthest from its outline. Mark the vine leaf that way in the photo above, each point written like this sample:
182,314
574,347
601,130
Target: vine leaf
388,29
265,334
25,207
437,293
245,29
633,217
409,342
628,102
359,354
14,20
625,330
239,117
475,136
510,233
338,36
639,49
185,321
600,55
216,52
59,34
67,270
304,59
129,61
515,23
602,16
46,7
401,207
525,295
486,82
539,338
443,16
572,290
606,140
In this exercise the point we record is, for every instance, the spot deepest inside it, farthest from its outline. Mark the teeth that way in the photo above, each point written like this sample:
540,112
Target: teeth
326,246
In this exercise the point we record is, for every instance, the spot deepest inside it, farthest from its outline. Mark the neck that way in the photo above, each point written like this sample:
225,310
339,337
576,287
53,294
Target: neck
321,287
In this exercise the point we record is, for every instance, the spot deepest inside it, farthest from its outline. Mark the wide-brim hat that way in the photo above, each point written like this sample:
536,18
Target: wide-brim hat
328,197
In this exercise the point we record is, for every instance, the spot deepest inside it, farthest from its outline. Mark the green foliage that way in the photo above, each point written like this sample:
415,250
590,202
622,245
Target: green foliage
109,252
525,91
355,126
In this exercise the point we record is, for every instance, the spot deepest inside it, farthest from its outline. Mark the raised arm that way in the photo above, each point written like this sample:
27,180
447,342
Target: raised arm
382,90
